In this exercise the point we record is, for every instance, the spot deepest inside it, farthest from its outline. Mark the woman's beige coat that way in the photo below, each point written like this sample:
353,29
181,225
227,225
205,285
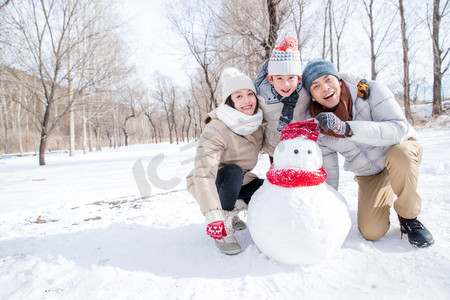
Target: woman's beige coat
219,146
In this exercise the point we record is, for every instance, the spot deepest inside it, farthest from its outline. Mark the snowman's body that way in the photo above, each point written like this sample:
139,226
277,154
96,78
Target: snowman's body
298,224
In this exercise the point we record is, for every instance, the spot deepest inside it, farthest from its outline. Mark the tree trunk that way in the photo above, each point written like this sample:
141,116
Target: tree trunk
330,30
19,118
44,133
42,147
437,62
274,26
324,37
89,130
406,83
72,132
84,131
373,57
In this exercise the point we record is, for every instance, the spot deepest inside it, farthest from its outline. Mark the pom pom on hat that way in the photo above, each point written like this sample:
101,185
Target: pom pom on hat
307,130
316,68
285,59
232,80
288,42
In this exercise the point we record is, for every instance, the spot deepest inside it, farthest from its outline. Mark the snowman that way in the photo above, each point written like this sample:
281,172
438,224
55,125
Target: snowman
295,217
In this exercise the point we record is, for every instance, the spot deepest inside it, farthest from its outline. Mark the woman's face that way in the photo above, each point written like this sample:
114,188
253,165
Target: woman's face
244,101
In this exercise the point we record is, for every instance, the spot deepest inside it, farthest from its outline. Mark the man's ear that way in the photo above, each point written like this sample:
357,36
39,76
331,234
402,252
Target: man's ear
299,78
269,78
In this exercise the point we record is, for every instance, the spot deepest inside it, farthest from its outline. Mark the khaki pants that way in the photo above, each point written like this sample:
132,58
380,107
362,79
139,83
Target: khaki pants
376,192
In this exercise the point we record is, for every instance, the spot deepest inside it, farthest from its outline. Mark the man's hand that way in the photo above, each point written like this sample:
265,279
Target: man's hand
328,120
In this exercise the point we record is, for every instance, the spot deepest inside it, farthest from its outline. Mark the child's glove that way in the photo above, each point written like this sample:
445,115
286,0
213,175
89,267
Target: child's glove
216,226
328,120
363,89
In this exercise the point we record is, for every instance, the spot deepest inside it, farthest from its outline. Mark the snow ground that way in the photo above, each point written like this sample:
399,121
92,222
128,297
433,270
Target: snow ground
82,228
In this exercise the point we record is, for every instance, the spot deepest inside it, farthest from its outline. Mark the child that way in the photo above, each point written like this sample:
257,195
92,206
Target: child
227,152
279,82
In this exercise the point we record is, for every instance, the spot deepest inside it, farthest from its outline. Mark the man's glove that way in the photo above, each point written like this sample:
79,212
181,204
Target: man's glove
328,120
216,226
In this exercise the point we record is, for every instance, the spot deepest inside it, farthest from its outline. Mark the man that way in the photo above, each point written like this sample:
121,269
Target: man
378,146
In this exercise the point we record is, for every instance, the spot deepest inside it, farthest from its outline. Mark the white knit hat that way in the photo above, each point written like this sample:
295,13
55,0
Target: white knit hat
233,80
285,59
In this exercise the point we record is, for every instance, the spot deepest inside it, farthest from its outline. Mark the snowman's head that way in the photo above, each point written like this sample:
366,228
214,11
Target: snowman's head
298,153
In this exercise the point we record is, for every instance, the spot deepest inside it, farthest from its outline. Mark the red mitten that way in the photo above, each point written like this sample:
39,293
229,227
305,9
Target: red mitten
216,229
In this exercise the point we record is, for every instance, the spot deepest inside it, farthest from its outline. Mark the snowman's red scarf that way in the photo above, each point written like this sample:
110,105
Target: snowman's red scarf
296,177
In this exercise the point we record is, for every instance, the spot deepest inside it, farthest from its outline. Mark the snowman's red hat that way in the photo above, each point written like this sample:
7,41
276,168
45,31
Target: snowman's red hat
306,129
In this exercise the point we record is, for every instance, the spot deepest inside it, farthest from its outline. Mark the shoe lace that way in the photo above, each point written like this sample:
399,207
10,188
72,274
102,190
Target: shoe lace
412,223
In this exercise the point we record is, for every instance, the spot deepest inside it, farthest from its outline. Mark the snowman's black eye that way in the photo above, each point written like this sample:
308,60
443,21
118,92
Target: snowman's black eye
296,151
309,151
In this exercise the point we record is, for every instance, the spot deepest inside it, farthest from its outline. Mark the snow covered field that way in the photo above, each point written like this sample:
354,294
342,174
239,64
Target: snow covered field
84,228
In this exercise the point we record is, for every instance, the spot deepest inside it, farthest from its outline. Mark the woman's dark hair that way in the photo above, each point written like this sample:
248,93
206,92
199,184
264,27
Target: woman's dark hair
230,102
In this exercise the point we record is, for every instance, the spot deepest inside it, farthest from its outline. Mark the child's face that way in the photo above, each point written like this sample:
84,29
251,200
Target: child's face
285,85
244,101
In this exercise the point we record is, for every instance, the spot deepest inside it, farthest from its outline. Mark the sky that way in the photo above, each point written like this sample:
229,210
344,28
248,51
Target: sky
152,44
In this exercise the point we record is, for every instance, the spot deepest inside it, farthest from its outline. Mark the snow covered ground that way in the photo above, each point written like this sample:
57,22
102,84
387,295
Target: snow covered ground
119,224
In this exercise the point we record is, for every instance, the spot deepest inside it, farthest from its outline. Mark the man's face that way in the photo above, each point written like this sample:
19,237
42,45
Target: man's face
326,90
285,85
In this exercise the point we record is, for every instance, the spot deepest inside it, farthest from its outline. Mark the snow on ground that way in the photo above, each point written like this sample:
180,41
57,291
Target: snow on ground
82,228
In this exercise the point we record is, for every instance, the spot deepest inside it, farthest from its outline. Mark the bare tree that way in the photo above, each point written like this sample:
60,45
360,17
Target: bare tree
164,93
42,33
303,31
195,25
43,26
133,93
406,63
339,21
377,31
149,109
440,52
274,26
248,31
325,26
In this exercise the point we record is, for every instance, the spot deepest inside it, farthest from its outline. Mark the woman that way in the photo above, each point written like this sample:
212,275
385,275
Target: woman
227,151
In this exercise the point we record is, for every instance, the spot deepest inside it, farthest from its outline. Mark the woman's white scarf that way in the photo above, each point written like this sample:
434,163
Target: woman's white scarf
237,121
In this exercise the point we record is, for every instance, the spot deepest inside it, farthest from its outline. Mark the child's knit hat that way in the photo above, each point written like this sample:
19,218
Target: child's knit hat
285,59
233,80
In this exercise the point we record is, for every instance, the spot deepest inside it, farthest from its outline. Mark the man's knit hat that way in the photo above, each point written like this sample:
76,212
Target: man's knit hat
308,130
316,68
285,59
233,80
